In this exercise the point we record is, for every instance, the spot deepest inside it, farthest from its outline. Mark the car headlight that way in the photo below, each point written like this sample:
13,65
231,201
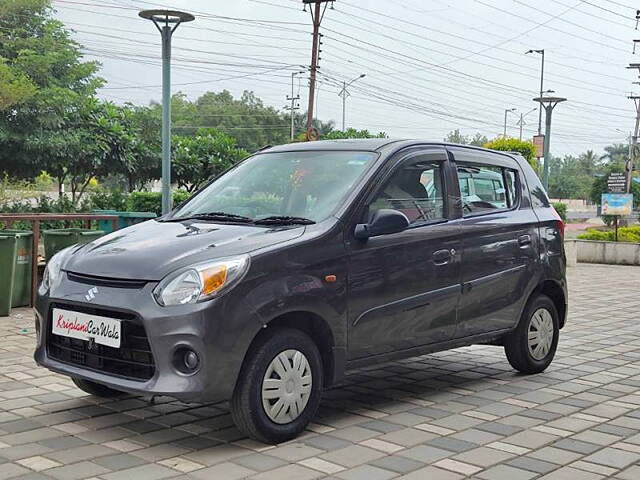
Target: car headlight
201,282
53,270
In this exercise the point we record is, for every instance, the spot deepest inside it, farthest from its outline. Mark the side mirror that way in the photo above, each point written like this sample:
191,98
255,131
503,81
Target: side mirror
384,222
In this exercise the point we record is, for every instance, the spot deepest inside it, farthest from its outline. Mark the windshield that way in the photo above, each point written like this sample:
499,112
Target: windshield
310,185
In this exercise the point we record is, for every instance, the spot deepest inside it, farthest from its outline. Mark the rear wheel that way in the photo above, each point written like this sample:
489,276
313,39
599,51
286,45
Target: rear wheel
530,348
279,387
96,389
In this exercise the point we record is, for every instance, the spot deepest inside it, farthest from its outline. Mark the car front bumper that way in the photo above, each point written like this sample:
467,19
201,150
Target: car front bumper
206,328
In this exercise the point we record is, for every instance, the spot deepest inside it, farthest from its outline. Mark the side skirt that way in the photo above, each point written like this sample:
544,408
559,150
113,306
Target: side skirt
491,338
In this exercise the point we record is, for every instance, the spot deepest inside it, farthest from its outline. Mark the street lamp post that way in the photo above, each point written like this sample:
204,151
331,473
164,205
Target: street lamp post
548,103
166,21
541,52
344,94
506,112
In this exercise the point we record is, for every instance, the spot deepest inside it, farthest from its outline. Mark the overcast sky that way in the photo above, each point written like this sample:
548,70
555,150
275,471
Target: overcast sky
431,66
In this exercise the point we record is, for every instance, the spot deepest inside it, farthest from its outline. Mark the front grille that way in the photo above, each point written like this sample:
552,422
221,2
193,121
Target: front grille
105,281
133,360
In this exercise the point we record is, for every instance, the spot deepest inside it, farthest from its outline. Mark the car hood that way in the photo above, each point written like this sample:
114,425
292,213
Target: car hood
151,250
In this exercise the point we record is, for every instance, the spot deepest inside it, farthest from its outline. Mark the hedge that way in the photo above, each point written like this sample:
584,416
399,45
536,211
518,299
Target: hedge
625,234
152,201
561,208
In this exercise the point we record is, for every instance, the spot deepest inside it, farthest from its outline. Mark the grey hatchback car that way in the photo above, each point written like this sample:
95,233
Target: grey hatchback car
302,262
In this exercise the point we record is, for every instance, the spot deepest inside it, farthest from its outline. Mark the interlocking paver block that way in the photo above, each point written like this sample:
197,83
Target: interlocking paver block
450,415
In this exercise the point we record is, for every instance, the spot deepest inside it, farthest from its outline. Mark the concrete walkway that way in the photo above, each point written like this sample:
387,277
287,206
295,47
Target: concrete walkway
457,414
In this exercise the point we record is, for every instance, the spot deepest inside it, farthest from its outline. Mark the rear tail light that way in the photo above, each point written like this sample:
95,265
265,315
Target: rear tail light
560,221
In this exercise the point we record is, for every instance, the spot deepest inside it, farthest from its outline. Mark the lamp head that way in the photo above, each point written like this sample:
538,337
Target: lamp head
166,16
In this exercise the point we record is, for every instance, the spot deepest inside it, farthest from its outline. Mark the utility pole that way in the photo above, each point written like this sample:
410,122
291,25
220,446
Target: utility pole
344,93
548,103
633,148
293,99
506,112
521,123
166,21
317,14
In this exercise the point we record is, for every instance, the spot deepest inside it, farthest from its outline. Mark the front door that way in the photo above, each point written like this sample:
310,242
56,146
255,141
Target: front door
404,287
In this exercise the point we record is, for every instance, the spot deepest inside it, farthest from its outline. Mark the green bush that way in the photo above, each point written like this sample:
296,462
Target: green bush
625,234
526,148
593,234
152,201
106,199
561,208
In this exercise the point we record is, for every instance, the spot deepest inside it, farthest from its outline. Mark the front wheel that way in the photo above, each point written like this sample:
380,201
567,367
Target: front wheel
530,348
279,387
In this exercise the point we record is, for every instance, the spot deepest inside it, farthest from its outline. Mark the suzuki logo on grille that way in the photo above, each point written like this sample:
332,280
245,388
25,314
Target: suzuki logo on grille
91,294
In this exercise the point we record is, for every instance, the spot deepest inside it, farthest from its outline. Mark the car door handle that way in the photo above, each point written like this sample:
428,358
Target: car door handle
441,257
524,240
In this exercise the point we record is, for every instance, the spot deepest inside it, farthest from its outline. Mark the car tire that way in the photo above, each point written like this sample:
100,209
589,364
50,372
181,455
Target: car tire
279,388
96,389
530,348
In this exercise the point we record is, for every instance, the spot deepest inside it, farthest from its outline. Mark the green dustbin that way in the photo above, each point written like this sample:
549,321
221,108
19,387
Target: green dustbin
22,274
56,240
125,219
8,248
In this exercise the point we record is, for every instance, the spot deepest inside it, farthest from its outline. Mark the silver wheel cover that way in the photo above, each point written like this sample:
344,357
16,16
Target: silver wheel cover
540,334
286,386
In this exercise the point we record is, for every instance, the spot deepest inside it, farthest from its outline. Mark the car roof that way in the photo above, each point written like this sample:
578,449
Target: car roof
369,144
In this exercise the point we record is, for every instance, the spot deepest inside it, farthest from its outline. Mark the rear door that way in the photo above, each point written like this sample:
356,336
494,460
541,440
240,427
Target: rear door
404,287
500,241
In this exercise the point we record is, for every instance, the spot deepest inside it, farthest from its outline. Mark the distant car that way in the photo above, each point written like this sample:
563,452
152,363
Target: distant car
305,261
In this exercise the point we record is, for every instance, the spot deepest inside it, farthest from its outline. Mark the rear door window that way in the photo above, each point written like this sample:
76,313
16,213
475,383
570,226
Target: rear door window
486,188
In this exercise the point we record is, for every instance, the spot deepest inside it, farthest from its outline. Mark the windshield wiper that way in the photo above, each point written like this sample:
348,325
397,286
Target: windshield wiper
283,220
213,216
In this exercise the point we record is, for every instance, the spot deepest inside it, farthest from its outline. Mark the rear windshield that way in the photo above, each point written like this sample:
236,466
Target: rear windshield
298,184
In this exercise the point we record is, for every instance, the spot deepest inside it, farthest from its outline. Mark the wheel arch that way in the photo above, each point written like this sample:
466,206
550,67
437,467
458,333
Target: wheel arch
556,293
320,332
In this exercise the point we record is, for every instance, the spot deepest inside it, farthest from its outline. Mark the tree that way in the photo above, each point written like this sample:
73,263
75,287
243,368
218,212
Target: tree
525,148
142,162
57,91
589,162
92,141
479,140
616,153
253,124
455,136
352,133
15,86
198,158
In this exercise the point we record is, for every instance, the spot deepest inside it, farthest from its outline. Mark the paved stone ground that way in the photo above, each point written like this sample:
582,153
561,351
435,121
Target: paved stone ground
462,413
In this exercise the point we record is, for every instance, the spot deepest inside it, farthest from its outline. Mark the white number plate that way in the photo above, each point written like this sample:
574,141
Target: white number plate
105,331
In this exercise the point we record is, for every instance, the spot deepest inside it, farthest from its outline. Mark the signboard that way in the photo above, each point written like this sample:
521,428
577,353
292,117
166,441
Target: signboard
538,142
617,183
617,204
